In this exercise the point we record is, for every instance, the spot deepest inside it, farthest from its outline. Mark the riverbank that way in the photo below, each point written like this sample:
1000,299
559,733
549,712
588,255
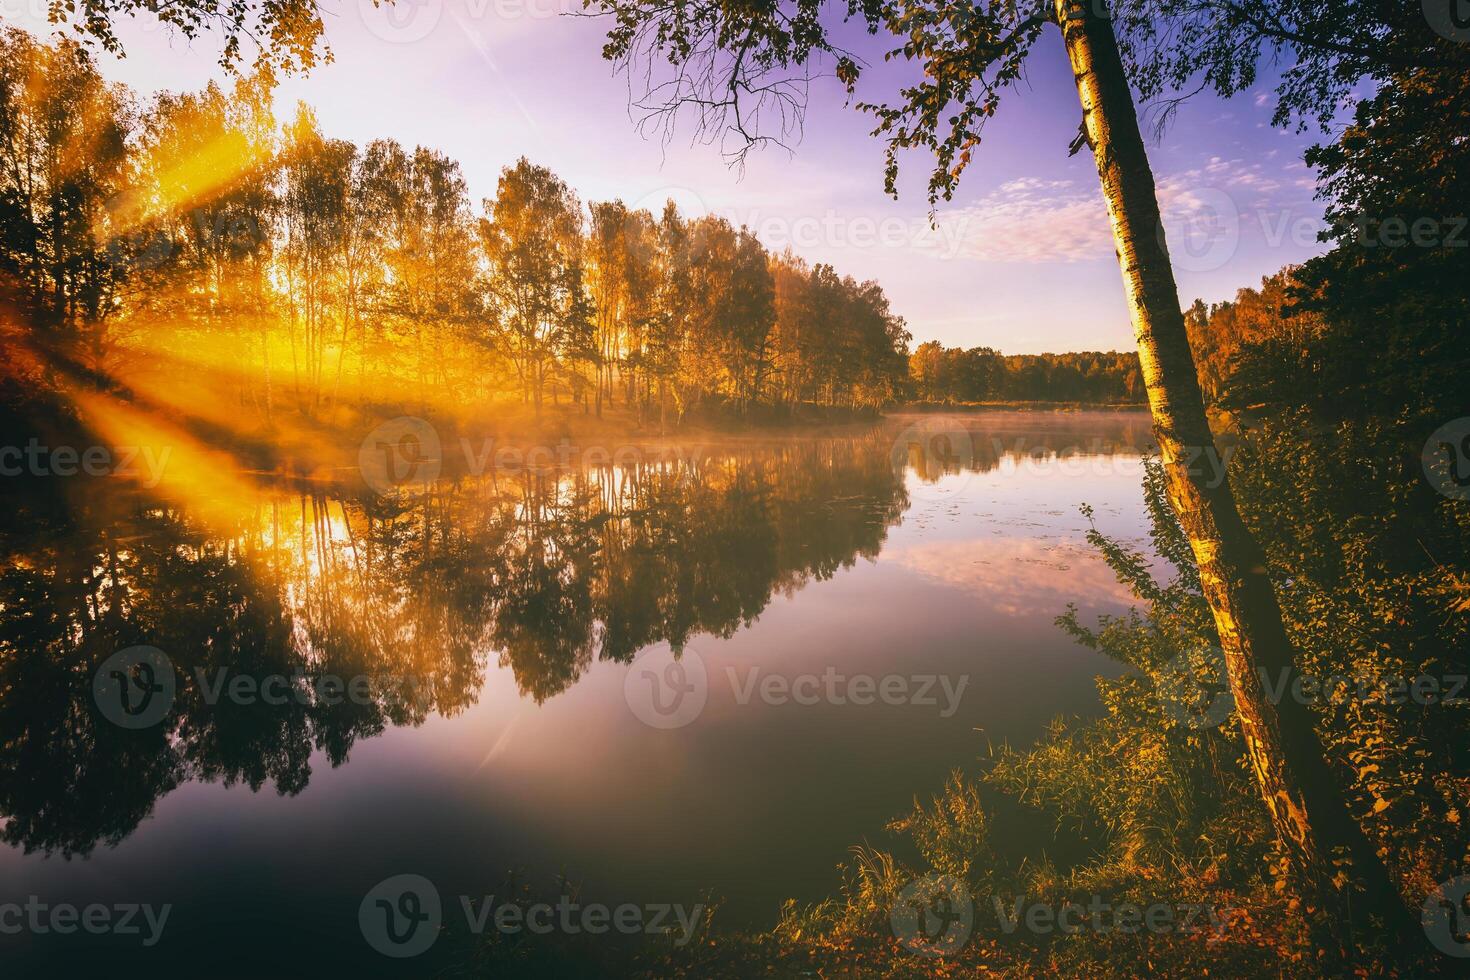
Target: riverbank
1019,406
343,443
340,444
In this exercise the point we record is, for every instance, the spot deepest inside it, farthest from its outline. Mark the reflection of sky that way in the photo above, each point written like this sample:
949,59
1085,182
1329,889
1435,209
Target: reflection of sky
1017,577
1014,538
487,81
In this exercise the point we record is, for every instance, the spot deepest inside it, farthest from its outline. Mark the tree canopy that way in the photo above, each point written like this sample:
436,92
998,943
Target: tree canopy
742,71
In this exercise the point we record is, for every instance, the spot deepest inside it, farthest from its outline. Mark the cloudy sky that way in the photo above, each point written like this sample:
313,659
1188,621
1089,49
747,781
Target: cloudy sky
1020,260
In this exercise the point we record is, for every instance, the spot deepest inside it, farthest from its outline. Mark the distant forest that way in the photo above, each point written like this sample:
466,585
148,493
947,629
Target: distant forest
955,375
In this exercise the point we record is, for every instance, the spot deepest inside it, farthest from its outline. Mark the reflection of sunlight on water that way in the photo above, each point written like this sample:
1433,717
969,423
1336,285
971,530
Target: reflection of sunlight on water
502,743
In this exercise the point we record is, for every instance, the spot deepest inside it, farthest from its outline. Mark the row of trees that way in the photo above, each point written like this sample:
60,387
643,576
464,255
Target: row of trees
1220,334
979,374
313,271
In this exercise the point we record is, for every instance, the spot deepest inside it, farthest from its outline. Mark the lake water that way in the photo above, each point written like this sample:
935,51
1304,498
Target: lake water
855,614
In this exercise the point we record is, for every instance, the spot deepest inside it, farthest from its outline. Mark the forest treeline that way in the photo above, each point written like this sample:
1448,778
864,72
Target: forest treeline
308,271
980,374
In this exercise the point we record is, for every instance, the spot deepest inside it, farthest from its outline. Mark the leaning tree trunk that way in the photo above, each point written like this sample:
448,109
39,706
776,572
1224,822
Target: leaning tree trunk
1306,807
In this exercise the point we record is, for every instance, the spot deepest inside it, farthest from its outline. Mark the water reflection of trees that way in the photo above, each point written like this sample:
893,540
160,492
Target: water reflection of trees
543,571
942,444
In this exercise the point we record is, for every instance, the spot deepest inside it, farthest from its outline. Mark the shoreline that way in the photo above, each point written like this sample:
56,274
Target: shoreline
919,408
320,448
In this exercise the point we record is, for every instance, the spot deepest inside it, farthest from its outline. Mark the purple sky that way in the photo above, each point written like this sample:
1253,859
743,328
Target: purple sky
1020,260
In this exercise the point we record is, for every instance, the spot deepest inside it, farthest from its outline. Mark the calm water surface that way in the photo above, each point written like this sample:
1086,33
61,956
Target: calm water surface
521,707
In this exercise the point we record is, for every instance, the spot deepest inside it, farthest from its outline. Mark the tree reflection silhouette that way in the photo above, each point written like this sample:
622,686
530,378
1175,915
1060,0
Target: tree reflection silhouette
410,595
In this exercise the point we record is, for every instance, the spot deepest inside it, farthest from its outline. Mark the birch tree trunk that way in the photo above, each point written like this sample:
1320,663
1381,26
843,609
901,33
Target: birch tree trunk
1307,809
